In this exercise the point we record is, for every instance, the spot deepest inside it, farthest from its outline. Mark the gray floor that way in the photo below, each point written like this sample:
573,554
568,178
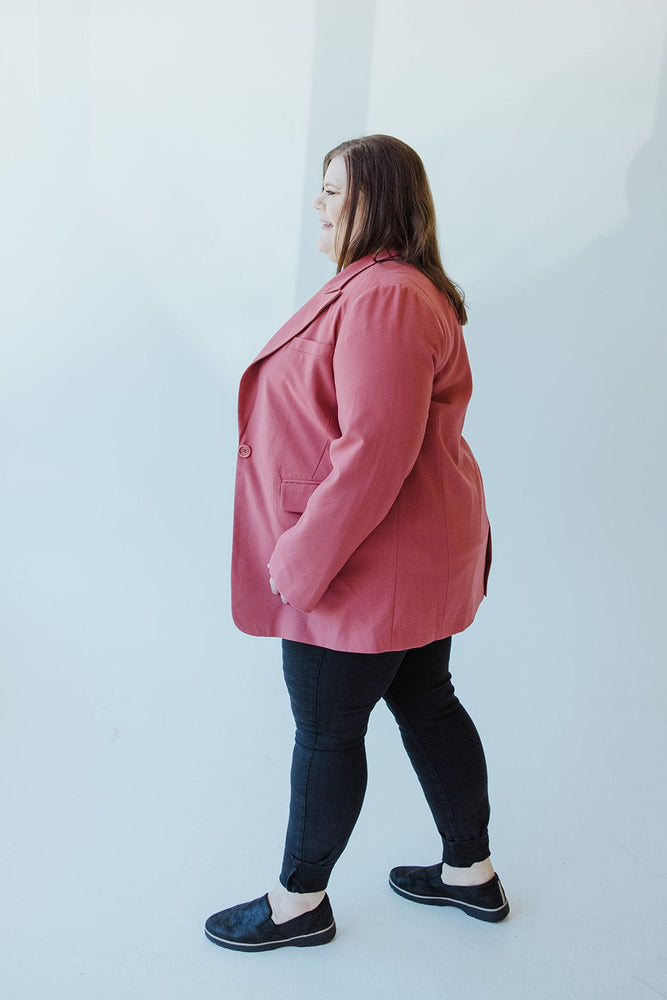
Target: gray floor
145,785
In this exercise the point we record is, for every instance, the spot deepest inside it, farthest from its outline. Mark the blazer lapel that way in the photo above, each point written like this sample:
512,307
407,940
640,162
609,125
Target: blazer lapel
319,302
299,321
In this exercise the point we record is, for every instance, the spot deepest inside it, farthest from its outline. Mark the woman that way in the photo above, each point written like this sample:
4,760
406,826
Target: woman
361,538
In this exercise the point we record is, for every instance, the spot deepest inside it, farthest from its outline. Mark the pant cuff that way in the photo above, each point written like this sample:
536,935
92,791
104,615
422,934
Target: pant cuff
300,876
464,853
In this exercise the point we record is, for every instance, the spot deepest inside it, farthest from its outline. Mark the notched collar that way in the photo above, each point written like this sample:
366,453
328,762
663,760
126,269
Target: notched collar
319,302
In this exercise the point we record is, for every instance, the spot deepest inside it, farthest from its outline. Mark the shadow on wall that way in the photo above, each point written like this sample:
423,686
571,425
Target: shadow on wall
573,367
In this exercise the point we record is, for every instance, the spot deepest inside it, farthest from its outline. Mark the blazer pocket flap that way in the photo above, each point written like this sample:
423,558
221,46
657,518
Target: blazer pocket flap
295,494
316,347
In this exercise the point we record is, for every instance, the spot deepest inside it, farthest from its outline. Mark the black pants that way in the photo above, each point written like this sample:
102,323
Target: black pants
332,695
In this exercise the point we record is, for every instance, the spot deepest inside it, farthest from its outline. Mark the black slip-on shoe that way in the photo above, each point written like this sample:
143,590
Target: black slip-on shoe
424,885
250,927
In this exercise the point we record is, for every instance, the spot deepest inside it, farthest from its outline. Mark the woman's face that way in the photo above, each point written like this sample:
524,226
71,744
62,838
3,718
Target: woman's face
329,203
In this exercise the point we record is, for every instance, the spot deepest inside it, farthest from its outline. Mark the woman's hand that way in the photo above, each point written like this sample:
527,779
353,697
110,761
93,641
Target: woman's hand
274,589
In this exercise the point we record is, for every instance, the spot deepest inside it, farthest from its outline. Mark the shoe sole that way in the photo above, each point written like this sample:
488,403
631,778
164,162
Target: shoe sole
479,912
299,941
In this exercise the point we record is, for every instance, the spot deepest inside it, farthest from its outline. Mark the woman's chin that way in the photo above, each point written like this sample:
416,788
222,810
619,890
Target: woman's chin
324,246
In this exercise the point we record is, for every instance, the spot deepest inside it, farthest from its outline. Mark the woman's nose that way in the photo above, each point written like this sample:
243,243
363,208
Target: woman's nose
317,202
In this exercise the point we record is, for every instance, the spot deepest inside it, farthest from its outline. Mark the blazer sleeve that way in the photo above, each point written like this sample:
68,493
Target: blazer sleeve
389,344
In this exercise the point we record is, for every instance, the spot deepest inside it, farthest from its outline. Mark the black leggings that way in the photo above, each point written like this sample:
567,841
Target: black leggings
332,695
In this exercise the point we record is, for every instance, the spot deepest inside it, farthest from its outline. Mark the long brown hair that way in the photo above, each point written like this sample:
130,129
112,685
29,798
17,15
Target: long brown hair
389,206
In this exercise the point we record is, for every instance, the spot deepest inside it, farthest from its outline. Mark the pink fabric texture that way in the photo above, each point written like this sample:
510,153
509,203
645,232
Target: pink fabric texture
353,481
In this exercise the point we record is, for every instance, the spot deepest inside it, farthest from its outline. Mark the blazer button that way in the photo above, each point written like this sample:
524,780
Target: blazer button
245,451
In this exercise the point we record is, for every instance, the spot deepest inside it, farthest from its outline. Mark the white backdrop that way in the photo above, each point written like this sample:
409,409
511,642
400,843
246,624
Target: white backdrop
158,160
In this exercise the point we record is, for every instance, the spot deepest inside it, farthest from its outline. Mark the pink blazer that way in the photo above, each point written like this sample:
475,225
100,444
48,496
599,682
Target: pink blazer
353,481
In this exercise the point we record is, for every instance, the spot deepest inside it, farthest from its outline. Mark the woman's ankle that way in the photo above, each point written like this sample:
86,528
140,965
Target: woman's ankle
475,874
287,905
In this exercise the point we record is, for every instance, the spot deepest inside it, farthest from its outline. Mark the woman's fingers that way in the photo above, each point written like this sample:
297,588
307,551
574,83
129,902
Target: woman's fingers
274,590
